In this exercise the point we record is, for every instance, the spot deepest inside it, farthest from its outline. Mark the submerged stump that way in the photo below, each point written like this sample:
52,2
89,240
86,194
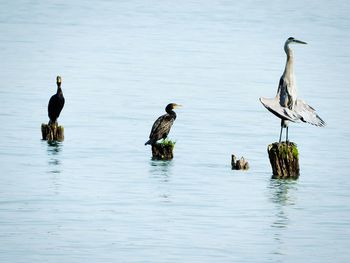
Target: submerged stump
52,132
284,159
163,150
241,164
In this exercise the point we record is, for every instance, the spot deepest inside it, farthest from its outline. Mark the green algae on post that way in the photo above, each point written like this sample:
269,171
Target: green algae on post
163,150
284,160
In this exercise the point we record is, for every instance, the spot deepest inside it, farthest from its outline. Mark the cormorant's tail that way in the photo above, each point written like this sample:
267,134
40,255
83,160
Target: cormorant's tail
150,141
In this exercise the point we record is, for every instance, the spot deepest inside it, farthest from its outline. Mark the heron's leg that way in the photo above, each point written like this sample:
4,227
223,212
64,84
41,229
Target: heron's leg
281,133
287,135
282,126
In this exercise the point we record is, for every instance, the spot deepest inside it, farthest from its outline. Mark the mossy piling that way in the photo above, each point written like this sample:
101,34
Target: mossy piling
52,132
163,150
284,160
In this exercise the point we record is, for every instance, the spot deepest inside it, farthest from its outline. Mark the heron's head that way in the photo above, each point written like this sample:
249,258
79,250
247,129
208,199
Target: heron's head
172,106
292,40
58,80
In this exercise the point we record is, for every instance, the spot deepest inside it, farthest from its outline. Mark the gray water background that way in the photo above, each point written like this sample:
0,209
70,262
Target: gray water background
98,196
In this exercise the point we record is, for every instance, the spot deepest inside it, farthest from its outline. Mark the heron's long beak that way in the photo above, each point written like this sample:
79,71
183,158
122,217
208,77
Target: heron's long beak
178,106
299,41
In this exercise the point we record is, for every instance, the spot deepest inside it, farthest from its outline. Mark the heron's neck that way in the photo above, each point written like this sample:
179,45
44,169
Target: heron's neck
289,71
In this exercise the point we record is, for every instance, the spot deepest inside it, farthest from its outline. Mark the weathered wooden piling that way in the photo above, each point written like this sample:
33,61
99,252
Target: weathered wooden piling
163,150
240,164
52,132
284,159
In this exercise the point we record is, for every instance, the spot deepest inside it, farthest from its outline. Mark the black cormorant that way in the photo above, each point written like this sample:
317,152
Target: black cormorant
162,125
56,103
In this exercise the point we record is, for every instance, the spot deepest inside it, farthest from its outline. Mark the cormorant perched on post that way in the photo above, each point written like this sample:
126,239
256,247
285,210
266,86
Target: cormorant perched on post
162,125
56,103
286,105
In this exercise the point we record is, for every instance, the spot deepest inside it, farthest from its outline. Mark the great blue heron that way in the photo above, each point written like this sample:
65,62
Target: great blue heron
162,125
56,103
286,105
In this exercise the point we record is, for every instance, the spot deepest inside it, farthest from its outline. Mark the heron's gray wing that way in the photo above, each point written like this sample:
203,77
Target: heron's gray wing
286,93
284,113
307,113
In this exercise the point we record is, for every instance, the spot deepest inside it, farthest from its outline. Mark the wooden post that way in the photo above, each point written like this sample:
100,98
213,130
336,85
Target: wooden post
284,159
163,150
240,164
52,132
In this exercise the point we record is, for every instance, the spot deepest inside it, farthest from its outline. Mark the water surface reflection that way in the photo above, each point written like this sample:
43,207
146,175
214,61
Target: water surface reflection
282,196
161,172
282,192
53,150
161,169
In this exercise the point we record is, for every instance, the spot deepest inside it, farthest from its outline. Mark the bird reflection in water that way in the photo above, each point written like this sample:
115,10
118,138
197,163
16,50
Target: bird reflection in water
282,197
53,149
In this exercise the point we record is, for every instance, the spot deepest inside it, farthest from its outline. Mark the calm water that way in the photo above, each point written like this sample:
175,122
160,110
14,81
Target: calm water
98,197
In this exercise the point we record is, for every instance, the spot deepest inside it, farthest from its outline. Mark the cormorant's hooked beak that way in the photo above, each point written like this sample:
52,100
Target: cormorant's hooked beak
299,41
58,80
177,106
